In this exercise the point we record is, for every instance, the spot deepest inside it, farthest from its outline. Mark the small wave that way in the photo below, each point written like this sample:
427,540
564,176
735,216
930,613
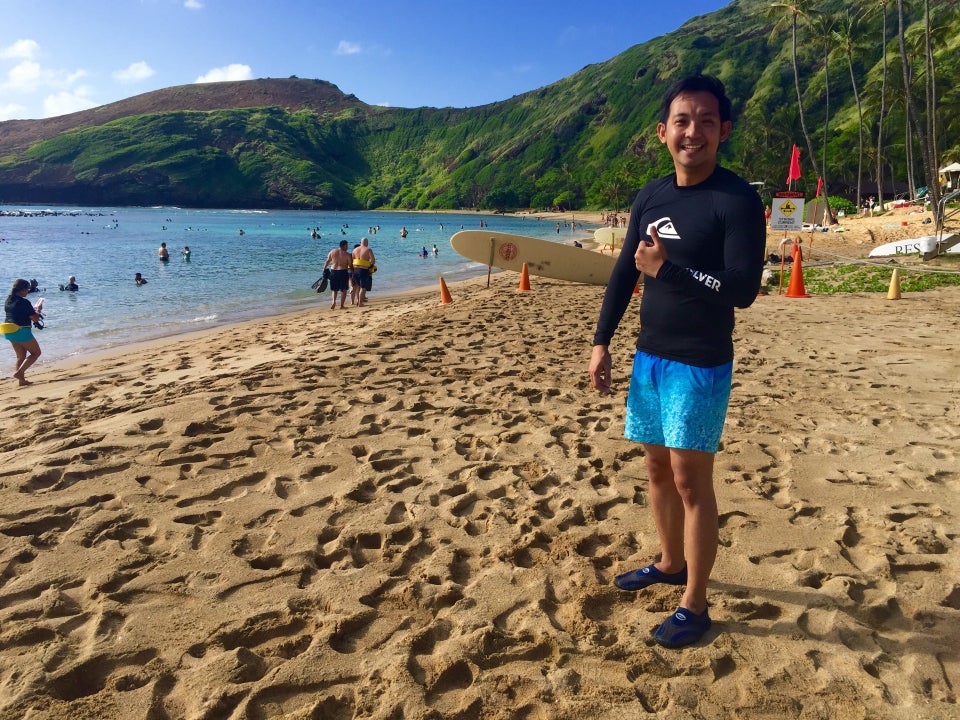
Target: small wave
204,318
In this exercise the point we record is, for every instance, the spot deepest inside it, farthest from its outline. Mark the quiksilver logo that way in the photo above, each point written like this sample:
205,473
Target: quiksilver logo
665,228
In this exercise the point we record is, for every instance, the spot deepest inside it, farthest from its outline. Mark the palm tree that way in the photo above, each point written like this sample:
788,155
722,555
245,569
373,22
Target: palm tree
846,40
930,85
615,187
927,153
822,26
943,36
791,12
883,110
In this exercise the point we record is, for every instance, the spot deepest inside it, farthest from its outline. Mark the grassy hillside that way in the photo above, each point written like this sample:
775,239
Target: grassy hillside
585,141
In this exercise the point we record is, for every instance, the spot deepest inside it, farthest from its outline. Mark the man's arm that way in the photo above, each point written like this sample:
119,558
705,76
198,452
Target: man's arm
601,366
616,299
620,286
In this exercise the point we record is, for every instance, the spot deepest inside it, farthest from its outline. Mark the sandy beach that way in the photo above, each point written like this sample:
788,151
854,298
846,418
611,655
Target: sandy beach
415,510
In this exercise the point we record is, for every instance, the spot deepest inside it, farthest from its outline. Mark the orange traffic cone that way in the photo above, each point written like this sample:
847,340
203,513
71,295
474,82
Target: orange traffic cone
444,293
796,289
524,279
636,288
893,292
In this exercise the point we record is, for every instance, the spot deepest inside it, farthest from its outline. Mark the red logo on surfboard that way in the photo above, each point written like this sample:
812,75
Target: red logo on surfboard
508,251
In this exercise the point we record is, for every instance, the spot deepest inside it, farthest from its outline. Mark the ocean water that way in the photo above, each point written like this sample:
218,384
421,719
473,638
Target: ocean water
265,271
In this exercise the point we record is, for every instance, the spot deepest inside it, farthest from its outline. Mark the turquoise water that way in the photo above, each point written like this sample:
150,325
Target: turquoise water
229,277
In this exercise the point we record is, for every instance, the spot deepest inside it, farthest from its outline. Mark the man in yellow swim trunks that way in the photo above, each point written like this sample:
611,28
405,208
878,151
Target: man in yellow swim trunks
363,261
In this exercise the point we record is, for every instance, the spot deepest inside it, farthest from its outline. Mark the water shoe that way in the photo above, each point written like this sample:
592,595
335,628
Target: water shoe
645,577
682,628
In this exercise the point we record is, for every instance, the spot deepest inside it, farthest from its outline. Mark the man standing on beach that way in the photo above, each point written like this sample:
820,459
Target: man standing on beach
363,262
698,237
340,263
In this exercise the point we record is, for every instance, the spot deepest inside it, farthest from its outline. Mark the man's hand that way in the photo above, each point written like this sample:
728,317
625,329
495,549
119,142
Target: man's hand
650,255
600,368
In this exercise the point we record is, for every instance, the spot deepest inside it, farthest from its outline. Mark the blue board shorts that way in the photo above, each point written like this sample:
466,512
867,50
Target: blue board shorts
677,405
24,334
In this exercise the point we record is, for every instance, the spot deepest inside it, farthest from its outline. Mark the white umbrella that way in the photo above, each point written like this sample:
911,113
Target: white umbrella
952,167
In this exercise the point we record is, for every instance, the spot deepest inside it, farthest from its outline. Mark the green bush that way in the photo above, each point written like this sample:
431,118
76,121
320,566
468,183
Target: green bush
839,203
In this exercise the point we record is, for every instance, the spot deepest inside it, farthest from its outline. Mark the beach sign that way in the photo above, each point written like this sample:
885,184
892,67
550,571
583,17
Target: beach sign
787,211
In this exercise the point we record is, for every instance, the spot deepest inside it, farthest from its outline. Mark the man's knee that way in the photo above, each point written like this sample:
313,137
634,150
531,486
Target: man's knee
692,471
659,466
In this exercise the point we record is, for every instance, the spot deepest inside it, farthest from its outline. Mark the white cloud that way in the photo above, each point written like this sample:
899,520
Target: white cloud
133,73
28,76
67,102
25,77
193,4
71,78
11,111
228,72
21,50
348,48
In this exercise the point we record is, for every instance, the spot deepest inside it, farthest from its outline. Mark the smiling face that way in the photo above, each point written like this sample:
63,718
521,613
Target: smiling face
692,133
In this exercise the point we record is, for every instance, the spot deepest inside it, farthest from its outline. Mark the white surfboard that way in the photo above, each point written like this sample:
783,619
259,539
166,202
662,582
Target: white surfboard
911,246
608,235
543,257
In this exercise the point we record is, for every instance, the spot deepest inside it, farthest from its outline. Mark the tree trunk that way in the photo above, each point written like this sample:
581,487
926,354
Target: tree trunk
826,129
856,95
908,154
926,154
803,124
933,173
883,109
931,87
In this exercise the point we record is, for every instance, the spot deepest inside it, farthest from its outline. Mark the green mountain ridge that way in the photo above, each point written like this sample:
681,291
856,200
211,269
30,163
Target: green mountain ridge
588,140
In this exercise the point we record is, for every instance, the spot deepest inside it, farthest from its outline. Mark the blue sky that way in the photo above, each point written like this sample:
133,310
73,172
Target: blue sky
60,56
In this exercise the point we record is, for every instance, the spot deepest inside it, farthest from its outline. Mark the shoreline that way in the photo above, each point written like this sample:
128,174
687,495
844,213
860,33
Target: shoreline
405,298
861,234
225,282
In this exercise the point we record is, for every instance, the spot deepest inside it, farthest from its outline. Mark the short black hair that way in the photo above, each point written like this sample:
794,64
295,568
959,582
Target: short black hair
697,83
343,243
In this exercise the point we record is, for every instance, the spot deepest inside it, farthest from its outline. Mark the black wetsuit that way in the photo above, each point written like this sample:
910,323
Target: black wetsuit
715,237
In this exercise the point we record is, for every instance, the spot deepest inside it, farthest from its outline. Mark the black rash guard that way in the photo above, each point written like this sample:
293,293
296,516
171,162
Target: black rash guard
18,310
715,237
